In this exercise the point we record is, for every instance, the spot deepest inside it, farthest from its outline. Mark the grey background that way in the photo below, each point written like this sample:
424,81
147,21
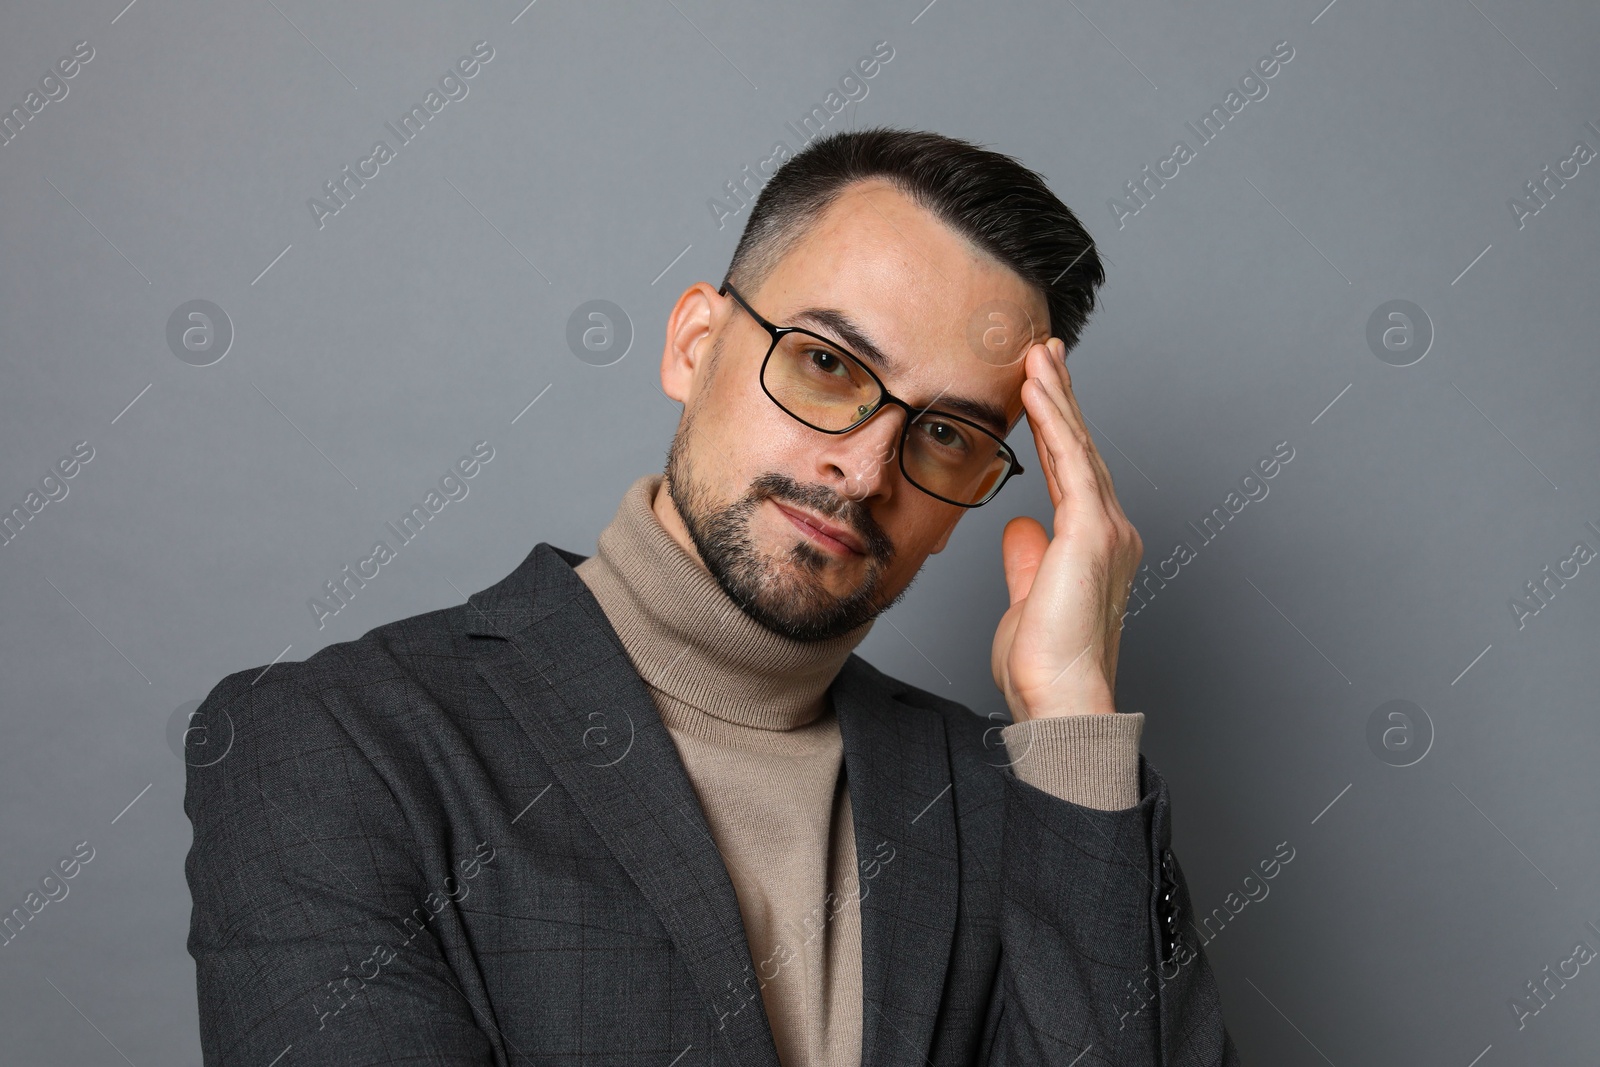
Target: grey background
429,312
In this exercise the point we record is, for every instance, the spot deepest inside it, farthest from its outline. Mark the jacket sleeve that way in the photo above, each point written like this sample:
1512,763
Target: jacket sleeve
1097,958
310,926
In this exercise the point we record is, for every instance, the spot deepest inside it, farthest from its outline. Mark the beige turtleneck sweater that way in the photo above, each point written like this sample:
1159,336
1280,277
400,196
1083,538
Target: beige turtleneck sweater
747,709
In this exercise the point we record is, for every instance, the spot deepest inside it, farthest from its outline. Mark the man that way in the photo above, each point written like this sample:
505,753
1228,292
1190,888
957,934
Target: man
648,807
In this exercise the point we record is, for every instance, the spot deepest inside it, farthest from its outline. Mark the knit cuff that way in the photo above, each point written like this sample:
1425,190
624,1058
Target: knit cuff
1090,759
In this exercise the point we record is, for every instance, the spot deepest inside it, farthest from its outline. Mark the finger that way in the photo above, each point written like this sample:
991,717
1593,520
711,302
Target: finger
1083,422
1022,547
1040,411
1073,492
1069,448
1058,383
1035,401
1051,435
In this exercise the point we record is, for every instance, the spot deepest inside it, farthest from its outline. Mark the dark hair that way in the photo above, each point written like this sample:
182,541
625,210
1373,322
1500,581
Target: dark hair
995,202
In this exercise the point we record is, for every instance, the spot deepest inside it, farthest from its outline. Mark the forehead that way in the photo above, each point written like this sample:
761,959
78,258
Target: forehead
947,315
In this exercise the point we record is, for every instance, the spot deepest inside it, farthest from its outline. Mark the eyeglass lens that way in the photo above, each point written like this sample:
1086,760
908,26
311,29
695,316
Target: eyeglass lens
826,388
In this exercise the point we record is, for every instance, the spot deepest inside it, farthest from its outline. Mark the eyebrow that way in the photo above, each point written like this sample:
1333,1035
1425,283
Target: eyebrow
990,416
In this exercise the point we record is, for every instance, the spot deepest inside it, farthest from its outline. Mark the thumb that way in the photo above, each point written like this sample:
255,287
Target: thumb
1022,546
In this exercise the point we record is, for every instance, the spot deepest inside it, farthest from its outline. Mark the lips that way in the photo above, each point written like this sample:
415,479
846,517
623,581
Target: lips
839,538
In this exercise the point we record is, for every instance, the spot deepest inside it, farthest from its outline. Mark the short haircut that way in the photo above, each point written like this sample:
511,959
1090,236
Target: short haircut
999,205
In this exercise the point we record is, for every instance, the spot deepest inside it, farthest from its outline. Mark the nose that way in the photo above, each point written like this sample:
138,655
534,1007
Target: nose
864,462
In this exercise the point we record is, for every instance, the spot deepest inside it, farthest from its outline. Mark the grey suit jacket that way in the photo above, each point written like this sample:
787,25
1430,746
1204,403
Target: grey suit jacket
467,838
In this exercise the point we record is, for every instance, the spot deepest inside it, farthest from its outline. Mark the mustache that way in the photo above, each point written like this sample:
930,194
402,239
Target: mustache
831,505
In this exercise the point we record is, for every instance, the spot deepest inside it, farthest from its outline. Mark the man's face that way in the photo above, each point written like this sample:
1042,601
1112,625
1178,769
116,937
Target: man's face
816,533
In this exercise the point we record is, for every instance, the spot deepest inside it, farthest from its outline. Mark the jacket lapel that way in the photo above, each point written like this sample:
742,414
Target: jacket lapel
898,768
561,670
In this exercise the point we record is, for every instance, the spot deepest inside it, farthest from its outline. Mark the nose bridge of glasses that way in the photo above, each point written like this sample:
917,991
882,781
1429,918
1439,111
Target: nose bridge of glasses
886,399
884,402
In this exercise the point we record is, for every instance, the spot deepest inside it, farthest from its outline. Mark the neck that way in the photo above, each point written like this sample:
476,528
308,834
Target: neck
666,513
687,638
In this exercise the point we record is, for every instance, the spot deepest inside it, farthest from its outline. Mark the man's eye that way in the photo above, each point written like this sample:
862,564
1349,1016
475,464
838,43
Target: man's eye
944,434
827,362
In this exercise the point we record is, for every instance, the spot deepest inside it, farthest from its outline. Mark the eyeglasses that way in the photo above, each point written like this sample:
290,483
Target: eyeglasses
823,386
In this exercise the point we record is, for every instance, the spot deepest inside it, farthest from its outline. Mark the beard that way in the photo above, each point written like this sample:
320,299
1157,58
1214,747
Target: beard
781,590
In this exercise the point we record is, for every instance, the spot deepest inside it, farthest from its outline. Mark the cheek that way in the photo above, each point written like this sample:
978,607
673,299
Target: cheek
915,525
739,432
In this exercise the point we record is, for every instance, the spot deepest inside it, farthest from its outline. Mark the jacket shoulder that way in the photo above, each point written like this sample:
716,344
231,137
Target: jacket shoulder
407,647
385,698
429,648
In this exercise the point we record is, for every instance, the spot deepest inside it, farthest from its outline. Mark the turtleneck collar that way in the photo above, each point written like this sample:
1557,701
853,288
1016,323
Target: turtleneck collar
690,640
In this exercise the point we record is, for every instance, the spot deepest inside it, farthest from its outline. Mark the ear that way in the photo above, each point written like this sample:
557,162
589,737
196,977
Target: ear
691,328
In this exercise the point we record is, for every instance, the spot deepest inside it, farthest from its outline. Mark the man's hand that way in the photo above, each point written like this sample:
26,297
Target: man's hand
1055,652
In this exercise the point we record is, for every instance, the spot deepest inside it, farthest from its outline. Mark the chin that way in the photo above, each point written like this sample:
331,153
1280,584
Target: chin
793,594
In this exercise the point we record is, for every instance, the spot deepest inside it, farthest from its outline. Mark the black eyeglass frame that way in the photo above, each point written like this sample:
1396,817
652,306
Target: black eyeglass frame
884,397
